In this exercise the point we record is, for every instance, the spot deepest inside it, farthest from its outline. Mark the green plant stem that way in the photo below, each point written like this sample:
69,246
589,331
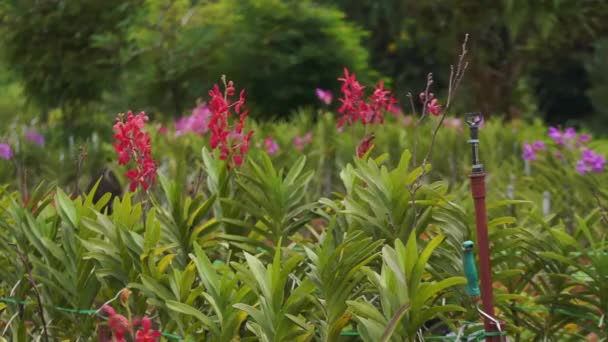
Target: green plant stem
30,278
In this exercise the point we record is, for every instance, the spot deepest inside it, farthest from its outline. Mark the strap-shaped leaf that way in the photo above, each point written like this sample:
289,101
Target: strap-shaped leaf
392,324
190,311
422,262
366,310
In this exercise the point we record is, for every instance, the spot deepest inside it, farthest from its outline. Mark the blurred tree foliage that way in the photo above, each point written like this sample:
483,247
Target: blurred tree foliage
597,68
12,95
161,55
167,64
64,52
512,43
280,51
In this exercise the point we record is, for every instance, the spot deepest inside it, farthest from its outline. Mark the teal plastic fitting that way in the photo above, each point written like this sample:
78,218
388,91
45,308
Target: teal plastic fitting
470,269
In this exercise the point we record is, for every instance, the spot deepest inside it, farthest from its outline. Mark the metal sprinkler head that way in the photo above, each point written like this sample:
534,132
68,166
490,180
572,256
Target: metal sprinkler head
474,120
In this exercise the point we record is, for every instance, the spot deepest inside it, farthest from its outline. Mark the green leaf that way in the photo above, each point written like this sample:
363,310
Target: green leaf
505,203
430,290
423,260
206,271
155,288
564,238
392,324
66,207
260,274
190,311
366,310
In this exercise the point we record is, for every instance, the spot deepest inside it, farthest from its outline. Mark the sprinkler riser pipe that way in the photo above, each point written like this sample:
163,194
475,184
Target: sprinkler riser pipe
478,190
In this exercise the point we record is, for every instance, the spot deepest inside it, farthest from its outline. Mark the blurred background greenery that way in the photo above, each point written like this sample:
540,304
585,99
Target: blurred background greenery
74,64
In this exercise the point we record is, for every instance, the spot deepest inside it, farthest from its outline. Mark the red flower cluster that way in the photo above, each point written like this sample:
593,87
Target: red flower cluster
132,143
147,335
354,107
120,327
118,323
232,141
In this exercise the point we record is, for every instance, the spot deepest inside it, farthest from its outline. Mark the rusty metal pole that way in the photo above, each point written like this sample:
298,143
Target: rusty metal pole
478,189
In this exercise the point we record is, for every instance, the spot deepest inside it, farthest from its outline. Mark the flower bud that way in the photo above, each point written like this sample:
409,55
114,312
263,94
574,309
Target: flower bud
124,296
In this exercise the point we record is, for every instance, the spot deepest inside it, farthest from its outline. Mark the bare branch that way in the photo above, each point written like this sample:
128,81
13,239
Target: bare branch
455,79
426,98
